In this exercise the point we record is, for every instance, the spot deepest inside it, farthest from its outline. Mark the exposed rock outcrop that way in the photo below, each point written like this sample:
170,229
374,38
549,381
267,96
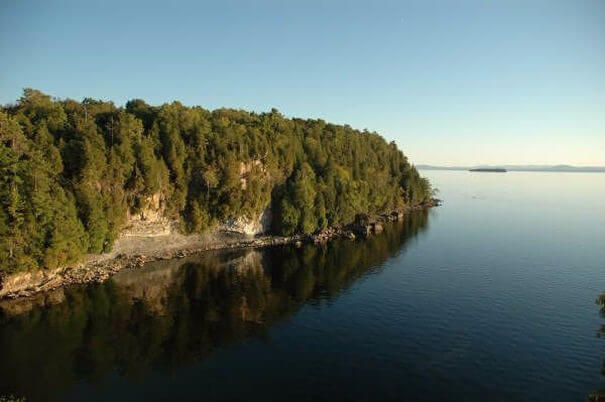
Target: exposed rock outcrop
365,225
142,243
250,227
150,220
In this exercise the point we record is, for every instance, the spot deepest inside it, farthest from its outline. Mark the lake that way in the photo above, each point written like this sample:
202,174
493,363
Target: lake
489,297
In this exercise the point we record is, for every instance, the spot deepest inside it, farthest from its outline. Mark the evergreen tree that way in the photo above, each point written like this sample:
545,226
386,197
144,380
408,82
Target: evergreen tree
70,172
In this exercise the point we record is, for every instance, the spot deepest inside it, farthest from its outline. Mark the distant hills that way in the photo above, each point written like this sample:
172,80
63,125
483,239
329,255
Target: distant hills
520,168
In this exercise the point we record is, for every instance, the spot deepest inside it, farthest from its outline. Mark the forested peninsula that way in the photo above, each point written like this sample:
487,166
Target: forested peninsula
74,175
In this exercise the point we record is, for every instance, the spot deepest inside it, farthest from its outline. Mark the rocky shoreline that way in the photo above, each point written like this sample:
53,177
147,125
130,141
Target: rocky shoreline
25,285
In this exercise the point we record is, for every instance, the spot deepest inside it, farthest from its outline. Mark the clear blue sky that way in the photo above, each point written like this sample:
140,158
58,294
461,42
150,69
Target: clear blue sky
453,82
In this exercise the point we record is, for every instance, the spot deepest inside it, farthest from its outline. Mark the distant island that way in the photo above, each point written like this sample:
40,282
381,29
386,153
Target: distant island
518,168
493,170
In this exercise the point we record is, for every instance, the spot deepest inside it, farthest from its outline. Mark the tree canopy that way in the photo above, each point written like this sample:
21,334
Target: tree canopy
70,172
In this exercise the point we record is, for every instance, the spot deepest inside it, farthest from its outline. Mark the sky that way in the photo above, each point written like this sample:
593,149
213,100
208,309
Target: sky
452,82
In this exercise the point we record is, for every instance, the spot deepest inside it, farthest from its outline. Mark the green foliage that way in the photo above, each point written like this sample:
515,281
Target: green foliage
71,171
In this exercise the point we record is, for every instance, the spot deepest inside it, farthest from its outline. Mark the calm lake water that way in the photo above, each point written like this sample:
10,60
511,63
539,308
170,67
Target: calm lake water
488,297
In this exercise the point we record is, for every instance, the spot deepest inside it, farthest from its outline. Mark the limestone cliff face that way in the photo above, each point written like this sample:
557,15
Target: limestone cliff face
244,225
246,168
250,227
149,221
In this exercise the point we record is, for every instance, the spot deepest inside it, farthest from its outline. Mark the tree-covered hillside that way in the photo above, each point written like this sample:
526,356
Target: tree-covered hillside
71,171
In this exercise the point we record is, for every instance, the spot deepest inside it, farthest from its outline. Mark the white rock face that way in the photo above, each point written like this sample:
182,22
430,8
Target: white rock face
250,227
149,221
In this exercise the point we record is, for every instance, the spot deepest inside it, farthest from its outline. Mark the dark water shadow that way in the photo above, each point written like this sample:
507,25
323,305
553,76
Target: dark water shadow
599,395
173,314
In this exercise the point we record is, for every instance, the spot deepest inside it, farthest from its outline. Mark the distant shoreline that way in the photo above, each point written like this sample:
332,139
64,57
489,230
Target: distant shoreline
518,168
488,170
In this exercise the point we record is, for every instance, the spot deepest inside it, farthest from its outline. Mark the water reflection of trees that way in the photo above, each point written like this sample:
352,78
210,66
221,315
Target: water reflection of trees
174,313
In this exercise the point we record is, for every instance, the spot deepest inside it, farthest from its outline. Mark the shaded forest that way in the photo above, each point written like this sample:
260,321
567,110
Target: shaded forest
70,172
